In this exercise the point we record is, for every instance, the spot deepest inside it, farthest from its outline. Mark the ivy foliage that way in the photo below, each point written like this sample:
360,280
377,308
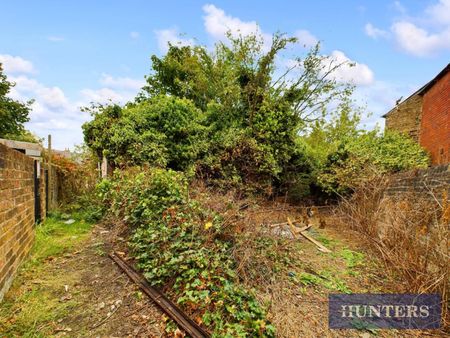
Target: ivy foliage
178,243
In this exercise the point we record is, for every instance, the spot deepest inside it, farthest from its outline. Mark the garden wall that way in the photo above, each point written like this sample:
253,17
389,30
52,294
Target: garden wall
431,182
18,205
16,212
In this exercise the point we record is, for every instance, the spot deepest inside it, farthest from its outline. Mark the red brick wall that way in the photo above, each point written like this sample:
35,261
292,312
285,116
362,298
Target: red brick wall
435,128
16,212
17,200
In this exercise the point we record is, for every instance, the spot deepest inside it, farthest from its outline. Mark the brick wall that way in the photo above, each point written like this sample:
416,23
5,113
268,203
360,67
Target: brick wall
17,208
435,129
16,212
406,117
431,182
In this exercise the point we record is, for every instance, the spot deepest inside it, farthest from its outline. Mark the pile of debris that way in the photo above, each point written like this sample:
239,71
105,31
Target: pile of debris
295,228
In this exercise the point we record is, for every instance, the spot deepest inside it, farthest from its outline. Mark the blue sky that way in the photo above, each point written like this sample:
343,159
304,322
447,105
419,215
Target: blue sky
67,54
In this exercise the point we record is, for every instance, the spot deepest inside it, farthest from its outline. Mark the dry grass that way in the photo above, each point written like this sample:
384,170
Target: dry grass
410,234
265,261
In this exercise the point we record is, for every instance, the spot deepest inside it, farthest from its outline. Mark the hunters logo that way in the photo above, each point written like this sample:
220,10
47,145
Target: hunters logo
396,311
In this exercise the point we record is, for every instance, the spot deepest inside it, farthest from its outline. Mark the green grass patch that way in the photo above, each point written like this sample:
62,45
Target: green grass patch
32,306
353,260
328,242
325,279
54,237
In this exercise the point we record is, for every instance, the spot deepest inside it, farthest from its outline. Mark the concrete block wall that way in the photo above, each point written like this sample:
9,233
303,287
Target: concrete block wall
16,212
430,182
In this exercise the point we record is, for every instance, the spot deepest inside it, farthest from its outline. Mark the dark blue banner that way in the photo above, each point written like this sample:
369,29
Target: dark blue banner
384,311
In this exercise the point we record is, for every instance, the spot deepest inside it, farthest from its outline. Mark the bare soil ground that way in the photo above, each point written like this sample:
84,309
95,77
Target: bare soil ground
98,299
111,305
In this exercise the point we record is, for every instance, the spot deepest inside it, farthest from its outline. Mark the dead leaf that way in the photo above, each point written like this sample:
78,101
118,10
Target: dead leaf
178,333
65,298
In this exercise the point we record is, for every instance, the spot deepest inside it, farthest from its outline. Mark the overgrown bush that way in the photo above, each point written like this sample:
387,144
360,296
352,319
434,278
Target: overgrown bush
162,131
224,111
179,245
361,157
77,177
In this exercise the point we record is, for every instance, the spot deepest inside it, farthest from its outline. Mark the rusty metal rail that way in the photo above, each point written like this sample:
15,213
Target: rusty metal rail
183,321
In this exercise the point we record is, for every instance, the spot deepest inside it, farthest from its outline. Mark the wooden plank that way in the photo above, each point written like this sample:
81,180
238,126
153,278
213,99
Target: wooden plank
309,238
319,245
291,226
280,224
299,230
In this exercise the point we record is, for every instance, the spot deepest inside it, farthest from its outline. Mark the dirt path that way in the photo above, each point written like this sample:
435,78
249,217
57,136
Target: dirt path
111,305
86,295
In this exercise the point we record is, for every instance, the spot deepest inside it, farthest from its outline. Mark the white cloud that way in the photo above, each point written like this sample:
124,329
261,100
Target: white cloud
115,89
171,35
54,113
440,12
218,24
121,82
55,38
134,35
15,64
426,34
349,71
102,95
305,38
51,113
375,32
419,42
48,97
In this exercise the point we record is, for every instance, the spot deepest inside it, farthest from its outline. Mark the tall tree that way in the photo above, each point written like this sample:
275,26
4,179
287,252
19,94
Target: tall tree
13,113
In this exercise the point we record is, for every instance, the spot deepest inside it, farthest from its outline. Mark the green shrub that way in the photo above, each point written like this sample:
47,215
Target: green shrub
367,155
226,111
162,131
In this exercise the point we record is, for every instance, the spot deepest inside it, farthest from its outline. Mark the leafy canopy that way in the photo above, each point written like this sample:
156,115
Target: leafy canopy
233,113
13,113
235,117
162,131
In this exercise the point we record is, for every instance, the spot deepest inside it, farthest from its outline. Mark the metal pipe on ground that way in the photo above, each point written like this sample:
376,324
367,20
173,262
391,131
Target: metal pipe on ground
174,312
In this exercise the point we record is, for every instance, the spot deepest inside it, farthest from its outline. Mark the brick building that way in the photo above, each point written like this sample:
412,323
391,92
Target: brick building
425,116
